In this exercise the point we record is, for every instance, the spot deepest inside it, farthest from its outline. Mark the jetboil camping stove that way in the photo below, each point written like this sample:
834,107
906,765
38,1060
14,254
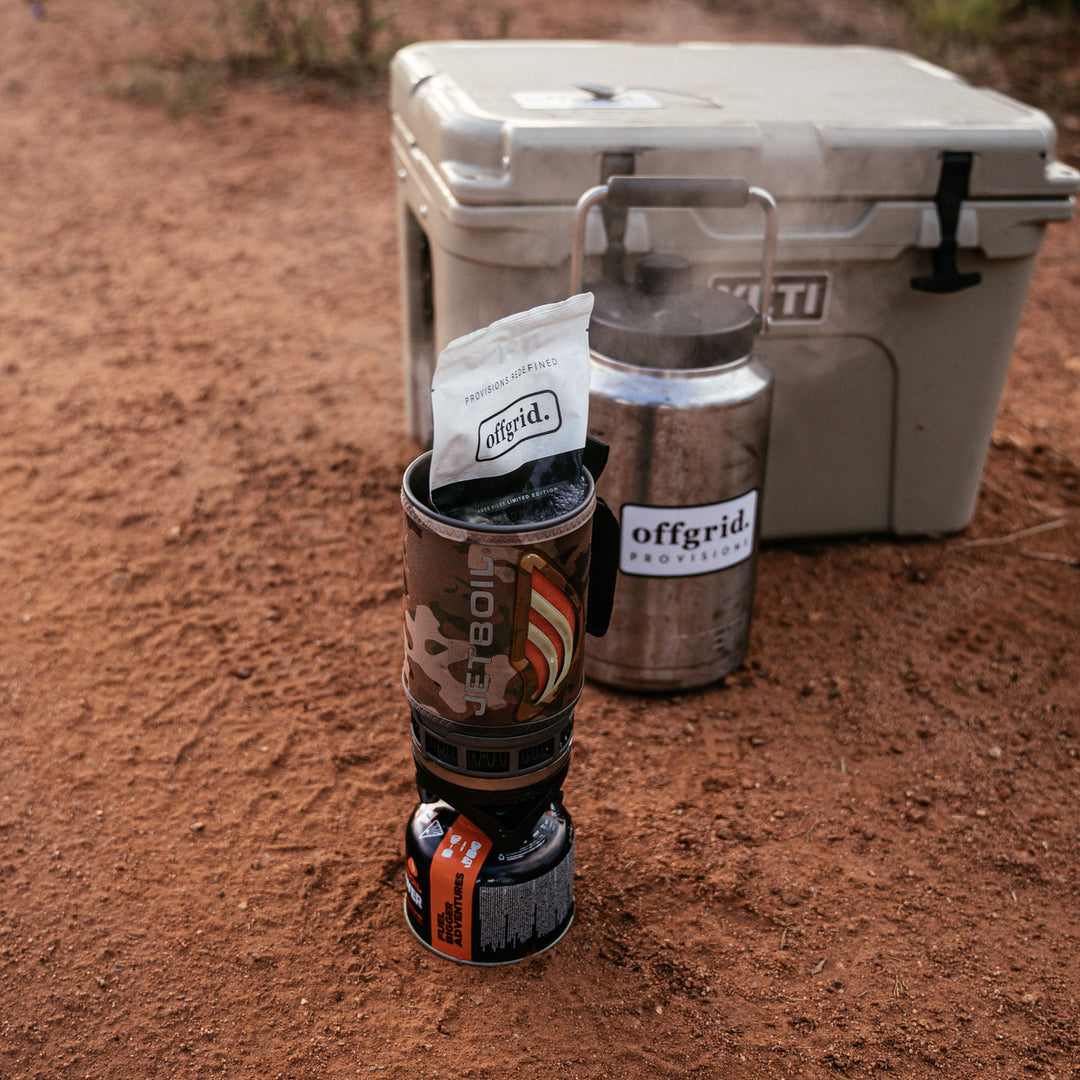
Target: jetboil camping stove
495,619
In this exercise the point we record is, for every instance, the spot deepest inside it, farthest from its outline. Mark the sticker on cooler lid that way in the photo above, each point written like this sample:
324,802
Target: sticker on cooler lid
687,541
454,869
548,100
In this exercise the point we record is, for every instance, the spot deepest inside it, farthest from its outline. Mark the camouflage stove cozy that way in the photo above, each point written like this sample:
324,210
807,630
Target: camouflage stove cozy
494,632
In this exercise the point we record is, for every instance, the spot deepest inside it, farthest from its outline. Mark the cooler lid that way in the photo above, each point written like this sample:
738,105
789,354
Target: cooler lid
504,122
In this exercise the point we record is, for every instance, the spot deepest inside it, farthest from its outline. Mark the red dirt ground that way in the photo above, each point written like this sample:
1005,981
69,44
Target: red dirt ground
858,858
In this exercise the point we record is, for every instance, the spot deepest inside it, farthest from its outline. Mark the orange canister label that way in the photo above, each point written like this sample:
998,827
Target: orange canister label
454,870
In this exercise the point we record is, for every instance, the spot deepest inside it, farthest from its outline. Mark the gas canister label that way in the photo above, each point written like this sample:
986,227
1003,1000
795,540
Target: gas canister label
454,869
686,541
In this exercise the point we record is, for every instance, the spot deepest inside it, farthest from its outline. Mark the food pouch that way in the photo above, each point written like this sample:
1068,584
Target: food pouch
510,409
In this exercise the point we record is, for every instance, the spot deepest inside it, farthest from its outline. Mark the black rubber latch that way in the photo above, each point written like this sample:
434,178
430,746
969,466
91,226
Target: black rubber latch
952,191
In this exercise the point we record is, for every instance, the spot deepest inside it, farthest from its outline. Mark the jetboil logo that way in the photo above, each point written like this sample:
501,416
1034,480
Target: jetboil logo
685,541
546,627
520,633
530,416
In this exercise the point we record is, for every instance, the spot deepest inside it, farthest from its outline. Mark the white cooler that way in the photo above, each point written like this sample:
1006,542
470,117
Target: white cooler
911,208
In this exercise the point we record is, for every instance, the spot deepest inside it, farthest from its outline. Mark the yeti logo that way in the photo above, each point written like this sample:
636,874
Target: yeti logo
532,415
796,298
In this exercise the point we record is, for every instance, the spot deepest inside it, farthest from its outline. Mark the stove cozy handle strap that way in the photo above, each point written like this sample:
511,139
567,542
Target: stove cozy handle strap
603,569
604,555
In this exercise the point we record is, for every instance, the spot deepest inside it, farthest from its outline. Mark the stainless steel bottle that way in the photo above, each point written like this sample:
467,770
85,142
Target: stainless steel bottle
680,398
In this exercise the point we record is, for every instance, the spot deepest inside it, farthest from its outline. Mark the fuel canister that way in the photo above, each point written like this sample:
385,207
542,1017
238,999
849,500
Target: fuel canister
476,902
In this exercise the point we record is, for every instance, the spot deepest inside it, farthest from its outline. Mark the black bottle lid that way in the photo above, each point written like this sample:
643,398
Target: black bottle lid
663,321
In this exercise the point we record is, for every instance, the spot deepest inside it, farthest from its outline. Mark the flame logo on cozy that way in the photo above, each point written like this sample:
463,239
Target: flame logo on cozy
546,631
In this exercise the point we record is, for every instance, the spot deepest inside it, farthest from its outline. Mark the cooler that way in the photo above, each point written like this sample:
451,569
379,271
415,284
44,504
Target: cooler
911,208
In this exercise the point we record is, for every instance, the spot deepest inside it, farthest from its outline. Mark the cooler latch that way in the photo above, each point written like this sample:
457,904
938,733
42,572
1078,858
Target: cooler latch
951,192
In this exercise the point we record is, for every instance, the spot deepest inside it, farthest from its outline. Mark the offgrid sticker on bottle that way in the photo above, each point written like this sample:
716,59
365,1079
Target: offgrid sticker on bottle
686,541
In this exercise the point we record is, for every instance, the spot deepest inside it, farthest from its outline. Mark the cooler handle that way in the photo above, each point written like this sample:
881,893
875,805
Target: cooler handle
678,191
